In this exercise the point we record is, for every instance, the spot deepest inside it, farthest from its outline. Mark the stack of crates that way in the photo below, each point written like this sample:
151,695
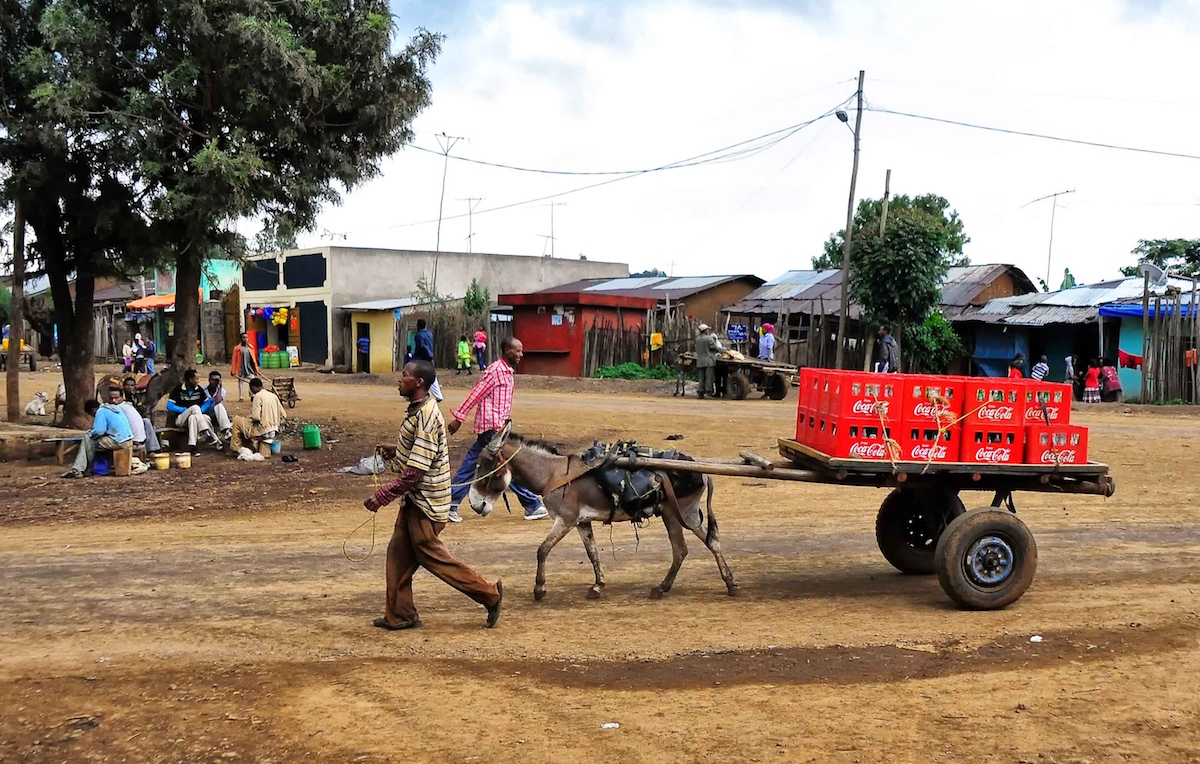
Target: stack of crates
920,417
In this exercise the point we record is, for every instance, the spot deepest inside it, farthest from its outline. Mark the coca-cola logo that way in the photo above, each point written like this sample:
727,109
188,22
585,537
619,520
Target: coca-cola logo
993,454
867,451
1061,456
991,413
864,407
930,410
929,451
1036,413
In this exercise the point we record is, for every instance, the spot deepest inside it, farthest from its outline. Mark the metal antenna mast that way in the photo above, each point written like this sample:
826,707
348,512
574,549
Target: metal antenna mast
1053,209
472,203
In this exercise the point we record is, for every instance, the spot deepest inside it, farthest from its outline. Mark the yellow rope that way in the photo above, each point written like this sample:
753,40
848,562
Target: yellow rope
485,476
373,520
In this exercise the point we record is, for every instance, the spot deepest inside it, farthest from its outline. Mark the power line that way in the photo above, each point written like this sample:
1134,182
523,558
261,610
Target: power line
683,163
1039,94
1027,134
725,153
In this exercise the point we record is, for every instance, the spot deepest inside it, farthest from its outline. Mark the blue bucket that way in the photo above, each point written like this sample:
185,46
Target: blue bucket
276,446
102,465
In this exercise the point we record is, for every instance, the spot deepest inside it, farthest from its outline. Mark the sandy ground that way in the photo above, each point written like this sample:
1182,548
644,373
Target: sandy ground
210,615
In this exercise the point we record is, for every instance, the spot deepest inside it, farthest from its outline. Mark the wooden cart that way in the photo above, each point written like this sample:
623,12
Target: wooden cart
984,558
740,376
285,388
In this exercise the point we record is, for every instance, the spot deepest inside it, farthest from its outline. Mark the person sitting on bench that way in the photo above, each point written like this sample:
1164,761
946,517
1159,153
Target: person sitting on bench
190,404
266,417
110,432
134,401
218,414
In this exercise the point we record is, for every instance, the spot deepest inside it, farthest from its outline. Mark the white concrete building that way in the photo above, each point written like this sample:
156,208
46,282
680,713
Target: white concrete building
313,283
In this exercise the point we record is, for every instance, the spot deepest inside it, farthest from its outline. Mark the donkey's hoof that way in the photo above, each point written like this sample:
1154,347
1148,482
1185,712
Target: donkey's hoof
595,593
734,590
657,593
539,594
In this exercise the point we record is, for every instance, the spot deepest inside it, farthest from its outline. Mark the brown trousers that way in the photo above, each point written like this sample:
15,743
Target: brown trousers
415,544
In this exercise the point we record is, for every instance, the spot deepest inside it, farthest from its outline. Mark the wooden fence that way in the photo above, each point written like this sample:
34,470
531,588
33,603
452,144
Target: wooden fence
1170,368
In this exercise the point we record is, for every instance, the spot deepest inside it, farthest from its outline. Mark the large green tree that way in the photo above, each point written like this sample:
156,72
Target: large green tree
897,278
934,212
216,111
1179,256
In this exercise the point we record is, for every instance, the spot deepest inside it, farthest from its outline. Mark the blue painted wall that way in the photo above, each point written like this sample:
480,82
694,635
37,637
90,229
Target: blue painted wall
1131,342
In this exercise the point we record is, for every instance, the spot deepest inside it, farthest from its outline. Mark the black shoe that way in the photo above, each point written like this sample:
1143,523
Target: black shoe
494,610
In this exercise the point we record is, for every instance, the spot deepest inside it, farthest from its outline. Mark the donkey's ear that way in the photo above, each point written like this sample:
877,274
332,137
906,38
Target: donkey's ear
505,432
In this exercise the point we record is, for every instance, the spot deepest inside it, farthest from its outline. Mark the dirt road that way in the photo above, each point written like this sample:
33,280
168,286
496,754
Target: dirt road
210,615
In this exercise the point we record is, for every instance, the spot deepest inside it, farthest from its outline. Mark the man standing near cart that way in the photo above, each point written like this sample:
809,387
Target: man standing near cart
707,347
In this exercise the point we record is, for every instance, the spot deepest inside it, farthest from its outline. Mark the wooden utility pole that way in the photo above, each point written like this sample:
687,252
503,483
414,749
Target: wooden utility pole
16,321
887,195
839,355
1145,334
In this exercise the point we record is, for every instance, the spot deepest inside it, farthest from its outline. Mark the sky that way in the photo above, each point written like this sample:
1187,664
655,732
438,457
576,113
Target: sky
625,85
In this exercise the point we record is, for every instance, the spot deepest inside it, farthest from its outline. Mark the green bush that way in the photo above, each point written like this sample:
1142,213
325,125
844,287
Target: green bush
635,371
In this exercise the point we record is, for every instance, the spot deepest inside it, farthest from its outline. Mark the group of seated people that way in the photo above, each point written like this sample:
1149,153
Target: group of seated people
123,419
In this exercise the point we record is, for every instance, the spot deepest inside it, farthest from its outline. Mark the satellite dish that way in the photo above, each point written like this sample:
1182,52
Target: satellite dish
1158,277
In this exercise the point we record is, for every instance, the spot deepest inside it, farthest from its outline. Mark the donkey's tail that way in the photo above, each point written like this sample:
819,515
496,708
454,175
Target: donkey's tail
712,519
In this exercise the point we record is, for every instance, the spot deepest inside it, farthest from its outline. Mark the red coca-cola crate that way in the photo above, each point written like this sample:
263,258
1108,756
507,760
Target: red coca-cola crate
925,442
808,387
826,391
994,401
1056,397
1056,444
860,438
860,394
802,425
992,444
928,398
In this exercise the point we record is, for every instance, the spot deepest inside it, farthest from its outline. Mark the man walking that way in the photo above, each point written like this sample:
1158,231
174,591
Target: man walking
707,347
493,395
423,459
424,352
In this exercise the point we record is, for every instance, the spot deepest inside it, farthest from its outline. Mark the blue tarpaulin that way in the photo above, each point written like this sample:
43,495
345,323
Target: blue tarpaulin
1134,310
995,347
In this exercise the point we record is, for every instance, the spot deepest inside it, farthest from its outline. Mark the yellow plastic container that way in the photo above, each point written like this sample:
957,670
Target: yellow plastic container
162,461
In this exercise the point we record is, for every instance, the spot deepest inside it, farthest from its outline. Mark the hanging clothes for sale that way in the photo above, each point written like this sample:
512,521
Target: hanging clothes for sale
1128,360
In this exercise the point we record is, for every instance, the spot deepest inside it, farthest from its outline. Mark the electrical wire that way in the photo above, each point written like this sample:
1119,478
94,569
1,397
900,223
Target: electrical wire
716,156
1027,134
779,136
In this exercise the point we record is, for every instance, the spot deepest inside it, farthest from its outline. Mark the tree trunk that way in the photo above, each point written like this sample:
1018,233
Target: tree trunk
73,318
16,321
182,352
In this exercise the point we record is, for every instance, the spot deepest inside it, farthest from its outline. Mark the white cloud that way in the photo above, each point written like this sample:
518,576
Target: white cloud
592,86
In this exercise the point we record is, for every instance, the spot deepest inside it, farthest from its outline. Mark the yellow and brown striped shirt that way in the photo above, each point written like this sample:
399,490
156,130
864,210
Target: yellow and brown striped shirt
421,445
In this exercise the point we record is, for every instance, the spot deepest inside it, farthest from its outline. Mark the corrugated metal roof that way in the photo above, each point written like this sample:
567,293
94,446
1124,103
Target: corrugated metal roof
805,291
388,304
689,283
655,287
617,285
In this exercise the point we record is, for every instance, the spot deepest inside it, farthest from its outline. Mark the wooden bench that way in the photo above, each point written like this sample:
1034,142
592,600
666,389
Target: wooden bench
65,447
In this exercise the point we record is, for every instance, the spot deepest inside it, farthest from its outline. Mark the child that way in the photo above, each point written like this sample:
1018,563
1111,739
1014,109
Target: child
480,347
1091,383
464,356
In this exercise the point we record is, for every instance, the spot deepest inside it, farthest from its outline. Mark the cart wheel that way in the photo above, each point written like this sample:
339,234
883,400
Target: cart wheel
909,524
776,387
737,386
986,559
291,401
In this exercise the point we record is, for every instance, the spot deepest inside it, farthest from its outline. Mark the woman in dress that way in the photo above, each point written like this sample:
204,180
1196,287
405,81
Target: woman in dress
1091,383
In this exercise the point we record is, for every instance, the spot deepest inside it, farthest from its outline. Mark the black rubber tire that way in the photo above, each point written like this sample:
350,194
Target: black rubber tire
737,386
776,387
291,403
910,523
957,547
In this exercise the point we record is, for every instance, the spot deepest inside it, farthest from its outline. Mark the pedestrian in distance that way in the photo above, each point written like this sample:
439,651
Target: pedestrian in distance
1040,369
889,352
480,339
463,356
1091,382
422,458
707,348
244,366
1016,367
424,352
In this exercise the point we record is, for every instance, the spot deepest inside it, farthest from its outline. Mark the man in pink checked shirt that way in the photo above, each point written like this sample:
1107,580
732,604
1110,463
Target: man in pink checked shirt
492,395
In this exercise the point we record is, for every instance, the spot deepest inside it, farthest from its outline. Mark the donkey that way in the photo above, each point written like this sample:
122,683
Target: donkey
536,465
